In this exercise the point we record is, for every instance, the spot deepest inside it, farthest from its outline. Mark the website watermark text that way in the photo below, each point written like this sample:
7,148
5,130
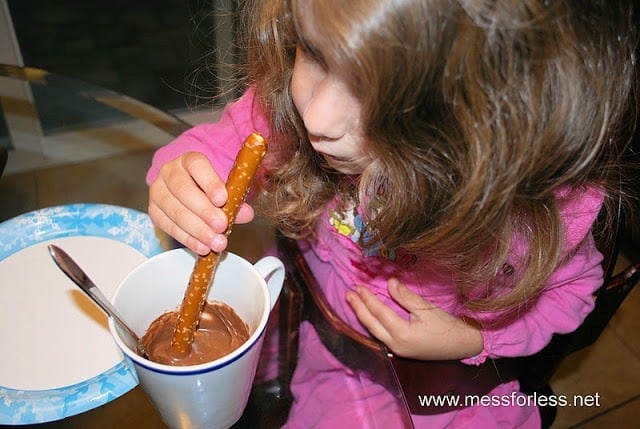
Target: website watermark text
515,399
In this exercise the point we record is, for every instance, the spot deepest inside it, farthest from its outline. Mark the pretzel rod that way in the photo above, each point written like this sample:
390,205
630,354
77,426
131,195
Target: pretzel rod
244,168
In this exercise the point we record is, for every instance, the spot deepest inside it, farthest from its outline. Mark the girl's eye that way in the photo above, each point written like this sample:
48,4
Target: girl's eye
311,53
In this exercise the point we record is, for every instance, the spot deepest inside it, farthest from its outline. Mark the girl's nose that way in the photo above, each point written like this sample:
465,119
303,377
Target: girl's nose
328,114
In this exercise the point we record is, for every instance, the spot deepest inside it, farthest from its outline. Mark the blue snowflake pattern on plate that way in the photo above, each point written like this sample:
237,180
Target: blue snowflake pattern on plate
123,224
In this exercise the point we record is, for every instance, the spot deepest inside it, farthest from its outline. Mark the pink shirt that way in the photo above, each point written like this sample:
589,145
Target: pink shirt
339,265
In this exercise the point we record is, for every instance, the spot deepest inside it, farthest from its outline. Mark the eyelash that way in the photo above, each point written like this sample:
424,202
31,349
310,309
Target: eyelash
312,54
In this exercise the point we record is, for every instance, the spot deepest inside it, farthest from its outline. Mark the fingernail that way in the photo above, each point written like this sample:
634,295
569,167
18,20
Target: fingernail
218,224
202,249
218,243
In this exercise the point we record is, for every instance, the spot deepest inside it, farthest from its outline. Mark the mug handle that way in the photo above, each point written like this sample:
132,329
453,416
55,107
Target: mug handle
272,270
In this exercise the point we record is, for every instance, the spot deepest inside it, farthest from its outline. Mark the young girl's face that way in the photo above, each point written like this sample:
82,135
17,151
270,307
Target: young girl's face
330,112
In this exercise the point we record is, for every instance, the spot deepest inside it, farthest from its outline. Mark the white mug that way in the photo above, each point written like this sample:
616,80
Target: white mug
213,394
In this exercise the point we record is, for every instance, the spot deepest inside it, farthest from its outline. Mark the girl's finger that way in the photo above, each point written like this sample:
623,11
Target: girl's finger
384,315
182,199
164,222
170,214
408,299
245,214
200,170
365,317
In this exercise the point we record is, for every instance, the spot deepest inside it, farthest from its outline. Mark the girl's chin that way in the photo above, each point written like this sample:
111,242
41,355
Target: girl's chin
343,166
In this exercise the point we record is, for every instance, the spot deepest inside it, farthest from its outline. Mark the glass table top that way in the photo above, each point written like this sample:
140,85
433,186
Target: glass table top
76,147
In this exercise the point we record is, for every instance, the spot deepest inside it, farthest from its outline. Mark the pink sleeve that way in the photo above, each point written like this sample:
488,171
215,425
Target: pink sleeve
568,296
219,141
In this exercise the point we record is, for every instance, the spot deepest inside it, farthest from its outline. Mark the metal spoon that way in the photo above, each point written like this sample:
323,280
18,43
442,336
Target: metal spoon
79,277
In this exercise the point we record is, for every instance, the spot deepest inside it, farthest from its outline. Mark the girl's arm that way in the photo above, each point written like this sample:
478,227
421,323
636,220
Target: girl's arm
561,308
568,296
186,178
430,333
219,141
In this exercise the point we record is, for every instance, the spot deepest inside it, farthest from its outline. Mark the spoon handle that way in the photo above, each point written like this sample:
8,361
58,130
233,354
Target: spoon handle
79,277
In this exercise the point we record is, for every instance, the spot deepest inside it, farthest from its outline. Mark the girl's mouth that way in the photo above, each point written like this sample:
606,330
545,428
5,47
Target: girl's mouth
334,158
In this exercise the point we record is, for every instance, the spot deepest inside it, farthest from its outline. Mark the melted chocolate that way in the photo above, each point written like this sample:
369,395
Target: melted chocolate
220,331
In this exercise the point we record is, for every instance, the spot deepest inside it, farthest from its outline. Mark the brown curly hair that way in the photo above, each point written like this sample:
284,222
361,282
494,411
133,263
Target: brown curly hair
476,112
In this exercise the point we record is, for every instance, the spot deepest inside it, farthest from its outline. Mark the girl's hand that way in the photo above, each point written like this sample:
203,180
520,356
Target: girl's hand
429,334
185,201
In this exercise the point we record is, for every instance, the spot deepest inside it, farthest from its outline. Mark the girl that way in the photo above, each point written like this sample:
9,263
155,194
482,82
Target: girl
441,162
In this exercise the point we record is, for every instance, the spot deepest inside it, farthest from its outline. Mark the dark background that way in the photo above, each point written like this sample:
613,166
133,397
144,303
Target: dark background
157,51
151,50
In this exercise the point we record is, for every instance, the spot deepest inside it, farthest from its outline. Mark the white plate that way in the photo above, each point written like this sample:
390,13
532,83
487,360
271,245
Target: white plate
58,358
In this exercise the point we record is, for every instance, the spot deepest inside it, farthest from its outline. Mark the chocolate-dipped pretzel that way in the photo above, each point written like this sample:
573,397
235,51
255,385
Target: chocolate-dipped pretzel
244,168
